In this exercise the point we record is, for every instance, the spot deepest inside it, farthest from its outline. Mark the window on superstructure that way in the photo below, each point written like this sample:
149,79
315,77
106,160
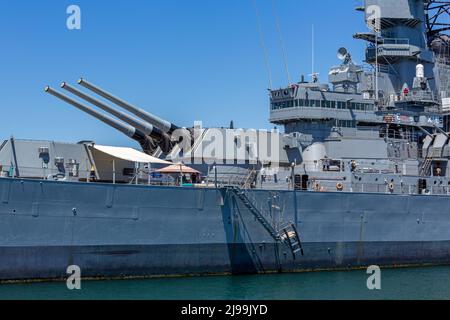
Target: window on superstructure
346,123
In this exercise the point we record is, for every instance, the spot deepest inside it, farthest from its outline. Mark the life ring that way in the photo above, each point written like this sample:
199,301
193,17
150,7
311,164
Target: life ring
339,186
391,187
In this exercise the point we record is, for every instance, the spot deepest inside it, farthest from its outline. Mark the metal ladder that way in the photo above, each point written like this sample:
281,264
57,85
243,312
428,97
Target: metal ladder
292,239
3,144
425,167
287,234
249,179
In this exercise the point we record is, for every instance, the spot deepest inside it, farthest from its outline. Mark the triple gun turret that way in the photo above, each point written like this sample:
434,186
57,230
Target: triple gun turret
150,131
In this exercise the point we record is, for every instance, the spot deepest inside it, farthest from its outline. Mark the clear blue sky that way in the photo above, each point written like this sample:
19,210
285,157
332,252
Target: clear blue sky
183,60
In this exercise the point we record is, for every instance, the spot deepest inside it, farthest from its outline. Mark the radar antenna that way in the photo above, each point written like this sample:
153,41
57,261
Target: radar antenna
437,14
344,55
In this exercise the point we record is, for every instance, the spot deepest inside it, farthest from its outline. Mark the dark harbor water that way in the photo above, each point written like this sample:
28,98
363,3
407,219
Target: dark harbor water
416,283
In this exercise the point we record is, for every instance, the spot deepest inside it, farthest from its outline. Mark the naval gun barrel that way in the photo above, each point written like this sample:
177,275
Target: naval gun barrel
159,123
143,126
126,129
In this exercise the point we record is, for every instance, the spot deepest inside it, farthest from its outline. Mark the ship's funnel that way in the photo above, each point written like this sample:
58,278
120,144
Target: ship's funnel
126,129
143,126
159,123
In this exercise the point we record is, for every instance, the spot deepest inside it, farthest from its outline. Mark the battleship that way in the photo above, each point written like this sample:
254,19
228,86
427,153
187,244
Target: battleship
359,176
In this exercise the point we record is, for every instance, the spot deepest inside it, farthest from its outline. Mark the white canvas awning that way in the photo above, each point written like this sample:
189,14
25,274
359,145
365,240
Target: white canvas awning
129,154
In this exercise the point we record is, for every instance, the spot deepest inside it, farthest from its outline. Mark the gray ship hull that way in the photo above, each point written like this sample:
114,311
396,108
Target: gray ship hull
125,230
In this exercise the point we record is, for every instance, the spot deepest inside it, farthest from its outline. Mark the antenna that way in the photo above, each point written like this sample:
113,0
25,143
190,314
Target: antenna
262,43
314,75
280,36
435,14
342,53
312,51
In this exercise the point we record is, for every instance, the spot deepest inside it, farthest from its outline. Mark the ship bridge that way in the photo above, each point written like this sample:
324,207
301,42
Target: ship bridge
307,103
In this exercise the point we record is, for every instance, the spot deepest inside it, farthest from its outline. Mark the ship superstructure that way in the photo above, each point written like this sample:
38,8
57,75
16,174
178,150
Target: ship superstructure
380,125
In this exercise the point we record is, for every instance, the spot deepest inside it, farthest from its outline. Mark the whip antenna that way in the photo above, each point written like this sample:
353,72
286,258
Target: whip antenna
280,37
262,43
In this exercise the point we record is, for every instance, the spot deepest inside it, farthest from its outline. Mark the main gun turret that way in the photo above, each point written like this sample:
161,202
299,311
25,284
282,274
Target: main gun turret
152,136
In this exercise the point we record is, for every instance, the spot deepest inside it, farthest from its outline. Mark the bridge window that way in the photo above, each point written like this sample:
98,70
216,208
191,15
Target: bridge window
322,104
346,123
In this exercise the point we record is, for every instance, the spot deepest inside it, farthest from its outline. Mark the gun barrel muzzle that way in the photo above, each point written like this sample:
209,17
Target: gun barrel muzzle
128,130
